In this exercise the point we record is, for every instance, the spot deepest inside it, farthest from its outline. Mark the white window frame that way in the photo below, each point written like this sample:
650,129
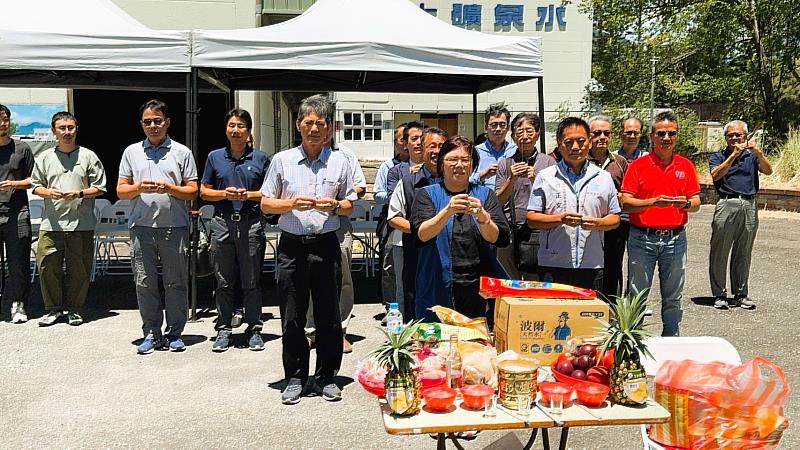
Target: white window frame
357,129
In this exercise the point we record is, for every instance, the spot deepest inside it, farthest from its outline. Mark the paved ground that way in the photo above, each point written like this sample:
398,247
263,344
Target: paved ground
85,387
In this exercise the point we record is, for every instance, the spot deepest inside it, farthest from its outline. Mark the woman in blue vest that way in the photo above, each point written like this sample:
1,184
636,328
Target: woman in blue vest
458,224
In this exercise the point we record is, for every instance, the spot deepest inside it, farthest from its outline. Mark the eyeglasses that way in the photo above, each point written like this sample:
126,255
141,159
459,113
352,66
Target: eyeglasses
63,128
456,161
157,122
500,125
569,143
631,133
734,135
662,133
597,133
524,132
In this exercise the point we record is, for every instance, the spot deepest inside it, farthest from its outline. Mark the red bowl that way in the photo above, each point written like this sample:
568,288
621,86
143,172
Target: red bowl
566,379
373,386
591,394
474,395
432,379
549,388
440,398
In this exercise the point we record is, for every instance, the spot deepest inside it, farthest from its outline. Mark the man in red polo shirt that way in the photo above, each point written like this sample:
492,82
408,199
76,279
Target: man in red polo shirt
659,190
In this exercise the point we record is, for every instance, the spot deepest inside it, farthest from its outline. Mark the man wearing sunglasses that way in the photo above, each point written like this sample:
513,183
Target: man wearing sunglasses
658,191
735,172
495,148
614,241
159,176
630,136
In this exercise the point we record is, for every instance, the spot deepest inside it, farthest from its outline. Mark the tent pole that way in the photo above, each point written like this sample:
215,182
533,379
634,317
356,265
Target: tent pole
474,116
540,84
192,130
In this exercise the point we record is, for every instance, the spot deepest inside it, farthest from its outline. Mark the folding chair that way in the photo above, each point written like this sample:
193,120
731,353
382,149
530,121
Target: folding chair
111,229
36,210
702,349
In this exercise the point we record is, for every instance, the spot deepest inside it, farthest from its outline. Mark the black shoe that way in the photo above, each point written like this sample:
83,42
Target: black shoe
292,392
51,318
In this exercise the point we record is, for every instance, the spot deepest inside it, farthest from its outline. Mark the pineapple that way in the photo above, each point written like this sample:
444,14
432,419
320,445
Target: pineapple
402,384
625,333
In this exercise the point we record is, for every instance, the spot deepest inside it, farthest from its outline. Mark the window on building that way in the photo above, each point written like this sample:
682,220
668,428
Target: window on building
362,126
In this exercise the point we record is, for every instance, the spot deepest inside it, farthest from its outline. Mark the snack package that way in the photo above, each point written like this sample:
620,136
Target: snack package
495,287
721,406
478,361
452,317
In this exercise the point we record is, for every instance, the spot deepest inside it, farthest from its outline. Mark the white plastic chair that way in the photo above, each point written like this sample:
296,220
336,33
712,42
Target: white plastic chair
99,205
111,228
702,349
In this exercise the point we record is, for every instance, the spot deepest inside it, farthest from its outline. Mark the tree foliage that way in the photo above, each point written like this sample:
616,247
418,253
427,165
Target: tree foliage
743,54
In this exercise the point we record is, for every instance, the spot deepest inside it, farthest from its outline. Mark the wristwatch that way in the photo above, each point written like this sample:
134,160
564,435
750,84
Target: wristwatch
80,194
338,205
687,205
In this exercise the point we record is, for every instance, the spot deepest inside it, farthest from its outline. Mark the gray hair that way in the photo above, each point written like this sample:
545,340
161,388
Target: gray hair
667,115
741,123
599,118
317,104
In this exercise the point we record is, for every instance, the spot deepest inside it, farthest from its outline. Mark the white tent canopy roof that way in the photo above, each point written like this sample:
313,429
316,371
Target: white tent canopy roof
367,45
89,35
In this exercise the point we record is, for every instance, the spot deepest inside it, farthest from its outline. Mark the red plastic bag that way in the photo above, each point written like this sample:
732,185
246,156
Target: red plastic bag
495,287
721,406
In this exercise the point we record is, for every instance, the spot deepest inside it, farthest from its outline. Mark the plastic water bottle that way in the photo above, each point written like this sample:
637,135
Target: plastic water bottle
394,319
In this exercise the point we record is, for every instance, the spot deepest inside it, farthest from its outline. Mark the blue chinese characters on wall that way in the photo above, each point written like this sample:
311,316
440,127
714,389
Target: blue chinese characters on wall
547,16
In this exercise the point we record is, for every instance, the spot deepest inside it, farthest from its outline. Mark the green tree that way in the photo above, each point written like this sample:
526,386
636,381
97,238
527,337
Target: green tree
740,53
12,128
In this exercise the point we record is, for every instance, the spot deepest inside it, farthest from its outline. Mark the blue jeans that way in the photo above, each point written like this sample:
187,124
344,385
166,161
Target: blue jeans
645,250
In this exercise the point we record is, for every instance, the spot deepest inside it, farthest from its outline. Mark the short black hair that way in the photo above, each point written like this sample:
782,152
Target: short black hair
526,117
62,115
434,130
240,113
4,109
667,116
410,125
454,143
571,122
495,109
156,105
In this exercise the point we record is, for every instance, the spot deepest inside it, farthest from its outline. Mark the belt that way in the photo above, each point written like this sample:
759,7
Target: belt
660,232
307,238
237,217
743,197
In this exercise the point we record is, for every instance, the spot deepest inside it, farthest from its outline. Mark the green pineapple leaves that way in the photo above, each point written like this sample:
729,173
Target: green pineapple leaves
395,353
626,332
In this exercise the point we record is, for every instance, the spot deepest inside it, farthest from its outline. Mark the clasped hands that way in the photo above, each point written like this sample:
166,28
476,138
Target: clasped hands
572,219
154,186
306,203
232,193
464,204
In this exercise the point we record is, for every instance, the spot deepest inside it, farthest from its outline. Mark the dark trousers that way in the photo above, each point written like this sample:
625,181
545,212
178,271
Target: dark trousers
614,243
585,278
468,301
65,268
310,269
237,249
409,281
15,236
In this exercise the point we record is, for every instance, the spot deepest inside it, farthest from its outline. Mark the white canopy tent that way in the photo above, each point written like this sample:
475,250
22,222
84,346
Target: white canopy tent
91,44
367,45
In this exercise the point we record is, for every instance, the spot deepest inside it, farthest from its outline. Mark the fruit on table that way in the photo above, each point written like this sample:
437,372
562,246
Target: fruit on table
597,374
566,357
607,358
625,333
564,367
578,374
587,349
583,362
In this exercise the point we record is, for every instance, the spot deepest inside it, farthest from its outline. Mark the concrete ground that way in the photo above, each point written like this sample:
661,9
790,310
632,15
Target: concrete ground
85,387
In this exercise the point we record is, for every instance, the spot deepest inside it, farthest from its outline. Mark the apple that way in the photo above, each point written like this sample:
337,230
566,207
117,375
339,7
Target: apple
578,374
582,362
587,349
564,367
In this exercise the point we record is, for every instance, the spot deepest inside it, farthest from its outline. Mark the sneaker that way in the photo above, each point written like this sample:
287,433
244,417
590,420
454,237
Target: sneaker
255,343
721,303
51,318
331,392
222,342
746,303
312,340
648,312
347,347
236,320
176,344
74,319
18,314
291,393
149,344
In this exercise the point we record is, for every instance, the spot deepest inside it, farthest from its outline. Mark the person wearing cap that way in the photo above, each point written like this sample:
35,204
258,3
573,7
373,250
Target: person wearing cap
734,170
232,181
659,190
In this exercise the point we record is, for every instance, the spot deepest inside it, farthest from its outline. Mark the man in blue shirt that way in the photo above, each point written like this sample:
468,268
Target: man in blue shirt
232,180
733,229
630,135
495,148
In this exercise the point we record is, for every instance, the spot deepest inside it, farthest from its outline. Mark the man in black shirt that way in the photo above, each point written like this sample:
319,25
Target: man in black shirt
16,166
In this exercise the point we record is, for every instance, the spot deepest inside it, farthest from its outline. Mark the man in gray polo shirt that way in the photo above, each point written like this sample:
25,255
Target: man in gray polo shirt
159,176
68,177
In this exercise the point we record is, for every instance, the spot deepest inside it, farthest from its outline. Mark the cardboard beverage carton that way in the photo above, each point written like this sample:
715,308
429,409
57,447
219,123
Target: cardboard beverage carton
540,328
